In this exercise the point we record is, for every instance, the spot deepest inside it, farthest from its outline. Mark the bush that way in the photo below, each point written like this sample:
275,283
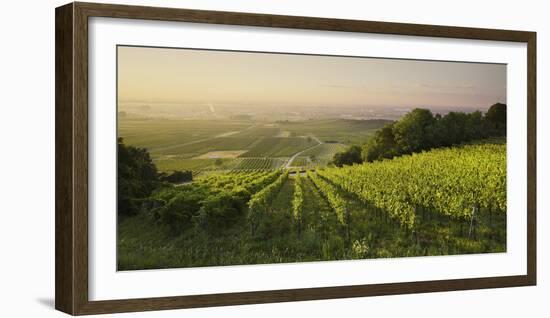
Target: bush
137,177
180,209
348,157
382,145
219,210
178,177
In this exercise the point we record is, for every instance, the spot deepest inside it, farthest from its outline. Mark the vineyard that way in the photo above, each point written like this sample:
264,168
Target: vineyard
325,151
301,162
259,163
458,183
207,147
441,202
279,146
317,156
241,158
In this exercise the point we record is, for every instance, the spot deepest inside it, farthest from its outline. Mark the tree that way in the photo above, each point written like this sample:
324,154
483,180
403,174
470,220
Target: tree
348,157
496,118
412,131
177,176
137,177
476,126
452,129
419,130
381,145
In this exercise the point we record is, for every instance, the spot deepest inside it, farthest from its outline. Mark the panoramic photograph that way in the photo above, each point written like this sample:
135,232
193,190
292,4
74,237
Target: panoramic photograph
242,158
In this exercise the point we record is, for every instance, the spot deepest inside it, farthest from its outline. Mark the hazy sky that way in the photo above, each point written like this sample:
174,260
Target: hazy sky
200,76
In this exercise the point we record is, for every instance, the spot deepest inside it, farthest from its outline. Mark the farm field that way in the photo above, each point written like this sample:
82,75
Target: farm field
279,147
223,145
231,157
259,163
300,162
345,131
327,214
156,134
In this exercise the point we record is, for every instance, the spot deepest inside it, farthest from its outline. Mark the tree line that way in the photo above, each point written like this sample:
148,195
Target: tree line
421,130
137,177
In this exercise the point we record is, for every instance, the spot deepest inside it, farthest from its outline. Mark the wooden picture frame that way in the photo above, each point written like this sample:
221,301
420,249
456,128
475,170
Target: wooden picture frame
71,90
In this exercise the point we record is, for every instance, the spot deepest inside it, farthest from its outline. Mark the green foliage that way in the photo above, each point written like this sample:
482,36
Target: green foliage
455,128
323,154
333,248
181,206
260,202
298,202
419,130
197,148
137,177
219,210
279,147
348,157
382,145
332,195
170,164
168,136
343,131
412,131
354,212
385,212
300,161
177,176
176,144
496,116
258,163
453,182
209,203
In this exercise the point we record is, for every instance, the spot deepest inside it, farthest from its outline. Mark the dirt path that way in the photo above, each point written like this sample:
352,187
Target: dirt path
287,166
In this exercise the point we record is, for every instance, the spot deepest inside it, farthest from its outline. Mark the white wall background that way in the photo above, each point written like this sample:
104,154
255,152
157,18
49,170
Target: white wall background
27,158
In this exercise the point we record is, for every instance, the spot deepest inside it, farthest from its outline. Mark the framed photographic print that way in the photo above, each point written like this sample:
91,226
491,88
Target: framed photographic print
211,158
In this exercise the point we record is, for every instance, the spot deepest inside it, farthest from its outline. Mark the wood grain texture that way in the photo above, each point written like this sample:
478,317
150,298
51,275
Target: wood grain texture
64,235
165,303
72,157
298,22
532,158
80,144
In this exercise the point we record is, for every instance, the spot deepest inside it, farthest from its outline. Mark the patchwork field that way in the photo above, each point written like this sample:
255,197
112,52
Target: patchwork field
221,154
344,131
195,165
280,147
323,154
259,163
300,162
225,145
158,134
